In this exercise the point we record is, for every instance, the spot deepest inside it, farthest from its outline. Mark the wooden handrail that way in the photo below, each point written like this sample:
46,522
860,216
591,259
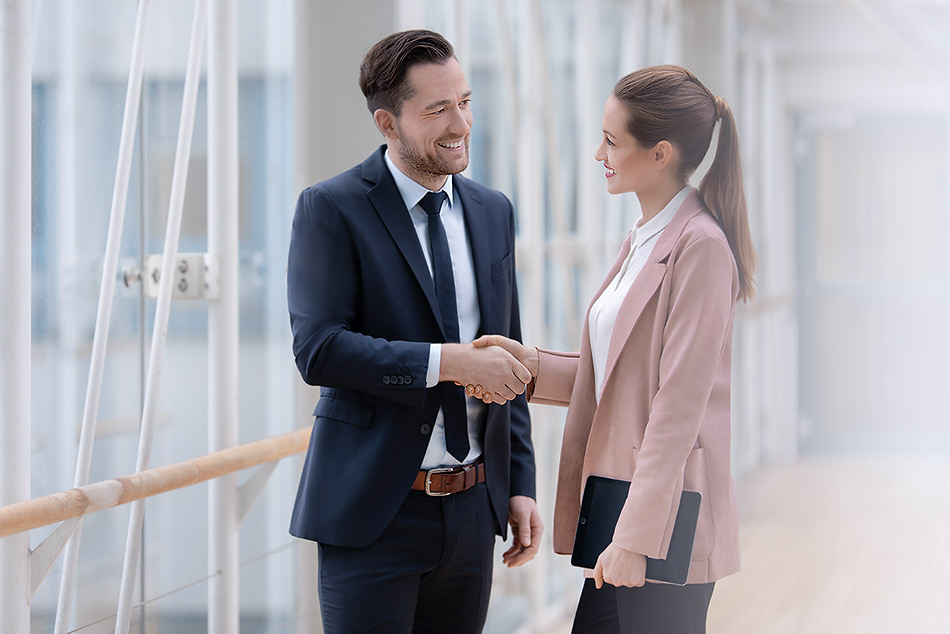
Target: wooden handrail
58,507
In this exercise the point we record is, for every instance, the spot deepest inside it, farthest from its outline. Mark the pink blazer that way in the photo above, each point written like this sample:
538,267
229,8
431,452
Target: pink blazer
663,417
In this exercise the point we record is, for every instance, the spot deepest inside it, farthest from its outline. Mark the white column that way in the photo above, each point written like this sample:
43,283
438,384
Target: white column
223,204
15,305
333,131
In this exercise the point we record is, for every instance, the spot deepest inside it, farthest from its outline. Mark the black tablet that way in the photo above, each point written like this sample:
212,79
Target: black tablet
600,508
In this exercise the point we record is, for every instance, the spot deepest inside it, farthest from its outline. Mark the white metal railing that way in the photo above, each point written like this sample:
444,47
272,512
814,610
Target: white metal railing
228,504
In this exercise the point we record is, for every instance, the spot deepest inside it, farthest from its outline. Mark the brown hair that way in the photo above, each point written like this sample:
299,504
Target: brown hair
670,103
383,70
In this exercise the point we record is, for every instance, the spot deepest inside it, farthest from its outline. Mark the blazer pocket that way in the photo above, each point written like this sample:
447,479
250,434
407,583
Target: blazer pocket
345,406
696,478
502,267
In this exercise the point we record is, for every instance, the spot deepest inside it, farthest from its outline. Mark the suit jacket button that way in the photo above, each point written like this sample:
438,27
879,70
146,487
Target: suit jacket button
408,380
387,380
425,429
400,380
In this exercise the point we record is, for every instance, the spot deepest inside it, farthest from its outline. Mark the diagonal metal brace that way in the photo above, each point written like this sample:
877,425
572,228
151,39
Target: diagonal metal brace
252,488
45,555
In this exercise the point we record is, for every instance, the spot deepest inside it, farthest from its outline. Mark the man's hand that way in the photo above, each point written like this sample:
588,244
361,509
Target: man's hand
526,530
501,376
528,357
620,567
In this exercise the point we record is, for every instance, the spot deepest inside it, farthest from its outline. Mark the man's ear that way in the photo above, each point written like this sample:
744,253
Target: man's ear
386,122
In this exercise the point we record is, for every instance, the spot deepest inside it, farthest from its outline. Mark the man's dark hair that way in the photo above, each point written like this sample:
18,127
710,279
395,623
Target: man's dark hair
383,70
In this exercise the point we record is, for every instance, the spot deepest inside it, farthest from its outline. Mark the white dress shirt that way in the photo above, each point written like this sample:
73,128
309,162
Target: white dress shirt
466,295
603,314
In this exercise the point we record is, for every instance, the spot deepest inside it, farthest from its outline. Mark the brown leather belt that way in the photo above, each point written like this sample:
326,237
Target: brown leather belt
449,480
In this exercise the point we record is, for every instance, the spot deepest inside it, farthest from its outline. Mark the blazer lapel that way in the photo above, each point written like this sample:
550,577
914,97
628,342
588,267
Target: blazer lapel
476,225
648,281
385,197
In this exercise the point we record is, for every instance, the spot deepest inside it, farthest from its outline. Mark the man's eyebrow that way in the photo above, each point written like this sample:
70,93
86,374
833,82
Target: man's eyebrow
446,102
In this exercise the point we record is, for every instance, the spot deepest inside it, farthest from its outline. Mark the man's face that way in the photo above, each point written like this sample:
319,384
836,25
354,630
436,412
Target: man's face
430,136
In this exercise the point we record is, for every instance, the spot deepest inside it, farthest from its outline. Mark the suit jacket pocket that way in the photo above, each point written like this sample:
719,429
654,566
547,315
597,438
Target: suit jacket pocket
696,478
502,267
346,406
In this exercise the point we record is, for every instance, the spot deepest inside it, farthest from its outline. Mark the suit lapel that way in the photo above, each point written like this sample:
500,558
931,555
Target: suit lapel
385,197
648,281
476,225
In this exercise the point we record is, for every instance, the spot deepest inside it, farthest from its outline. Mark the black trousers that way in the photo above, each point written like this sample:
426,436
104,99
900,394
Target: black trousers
429,573
653,608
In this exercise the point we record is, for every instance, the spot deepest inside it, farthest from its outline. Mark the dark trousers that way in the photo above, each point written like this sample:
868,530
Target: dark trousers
653,608
429,573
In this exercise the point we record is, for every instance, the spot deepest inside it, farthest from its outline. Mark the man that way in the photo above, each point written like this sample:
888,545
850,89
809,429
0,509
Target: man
394,267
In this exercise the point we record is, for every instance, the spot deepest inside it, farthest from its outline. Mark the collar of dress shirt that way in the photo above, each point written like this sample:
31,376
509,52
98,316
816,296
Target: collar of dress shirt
656,224
411,191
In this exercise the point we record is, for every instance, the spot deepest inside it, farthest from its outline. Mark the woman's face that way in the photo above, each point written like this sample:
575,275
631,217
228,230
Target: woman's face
629,166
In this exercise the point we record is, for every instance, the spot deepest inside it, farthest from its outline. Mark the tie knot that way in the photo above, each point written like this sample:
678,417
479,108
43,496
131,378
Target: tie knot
431,203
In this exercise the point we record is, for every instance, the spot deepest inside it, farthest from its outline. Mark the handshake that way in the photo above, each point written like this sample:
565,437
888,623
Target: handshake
492,368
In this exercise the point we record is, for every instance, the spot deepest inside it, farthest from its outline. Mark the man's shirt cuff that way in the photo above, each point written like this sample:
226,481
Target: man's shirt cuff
435,364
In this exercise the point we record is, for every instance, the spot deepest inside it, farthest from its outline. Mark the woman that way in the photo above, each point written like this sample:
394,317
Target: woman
649,390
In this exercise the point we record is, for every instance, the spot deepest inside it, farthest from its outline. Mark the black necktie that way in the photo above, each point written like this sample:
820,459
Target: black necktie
453,397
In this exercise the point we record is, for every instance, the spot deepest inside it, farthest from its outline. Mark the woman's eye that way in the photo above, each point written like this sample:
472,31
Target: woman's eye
609,142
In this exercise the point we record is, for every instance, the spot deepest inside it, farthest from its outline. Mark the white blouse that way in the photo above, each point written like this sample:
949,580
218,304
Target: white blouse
603,314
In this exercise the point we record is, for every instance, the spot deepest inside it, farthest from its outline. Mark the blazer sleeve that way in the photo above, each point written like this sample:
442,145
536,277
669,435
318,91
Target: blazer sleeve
555,380
323,286
702,303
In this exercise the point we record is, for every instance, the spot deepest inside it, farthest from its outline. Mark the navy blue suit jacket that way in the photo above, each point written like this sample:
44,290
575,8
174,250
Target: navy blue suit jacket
363,311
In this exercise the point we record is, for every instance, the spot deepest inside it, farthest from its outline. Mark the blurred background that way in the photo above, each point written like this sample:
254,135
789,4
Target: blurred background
841,371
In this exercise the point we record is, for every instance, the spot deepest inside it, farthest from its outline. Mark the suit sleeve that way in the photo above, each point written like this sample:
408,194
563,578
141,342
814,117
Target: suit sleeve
323,295
702,303
522,450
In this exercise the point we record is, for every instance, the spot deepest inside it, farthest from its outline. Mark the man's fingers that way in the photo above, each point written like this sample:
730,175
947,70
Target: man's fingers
522,557
524,533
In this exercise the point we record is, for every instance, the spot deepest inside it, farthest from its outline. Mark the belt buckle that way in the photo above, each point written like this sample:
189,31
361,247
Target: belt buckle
429,474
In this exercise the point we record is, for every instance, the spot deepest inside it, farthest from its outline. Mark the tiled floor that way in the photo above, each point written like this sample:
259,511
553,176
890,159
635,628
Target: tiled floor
832,545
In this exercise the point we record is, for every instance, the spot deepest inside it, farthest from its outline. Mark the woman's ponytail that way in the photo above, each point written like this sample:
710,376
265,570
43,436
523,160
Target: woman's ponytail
721,190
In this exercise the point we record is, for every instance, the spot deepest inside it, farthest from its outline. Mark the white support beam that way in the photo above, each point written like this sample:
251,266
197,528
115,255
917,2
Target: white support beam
16,303
223,344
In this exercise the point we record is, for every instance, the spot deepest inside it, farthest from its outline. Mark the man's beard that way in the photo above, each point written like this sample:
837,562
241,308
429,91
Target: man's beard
429,164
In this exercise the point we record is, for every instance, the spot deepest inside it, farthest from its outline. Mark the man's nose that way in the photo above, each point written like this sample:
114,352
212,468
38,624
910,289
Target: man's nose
460,122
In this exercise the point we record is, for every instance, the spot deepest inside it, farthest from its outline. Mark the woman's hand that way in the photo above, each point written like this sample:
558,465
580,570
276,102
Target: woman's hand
620,567
529,358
